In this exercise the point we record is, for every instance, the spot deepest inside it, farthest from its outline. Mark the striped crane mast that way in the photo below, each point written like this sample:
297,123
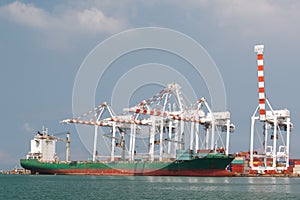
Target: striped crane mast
269,148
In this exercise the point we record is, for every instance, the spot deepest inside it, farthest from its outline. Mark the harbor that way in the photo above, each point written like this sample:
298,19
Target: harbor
165,136
149,100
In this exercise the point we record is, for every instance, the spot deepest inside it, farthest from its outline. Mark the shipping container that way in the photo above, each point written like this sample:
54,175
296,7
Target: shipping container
237,161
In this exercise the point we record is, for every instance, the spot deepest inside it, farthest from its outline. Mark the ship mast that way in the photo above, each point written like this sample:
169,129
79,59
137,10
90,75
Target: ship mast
67,141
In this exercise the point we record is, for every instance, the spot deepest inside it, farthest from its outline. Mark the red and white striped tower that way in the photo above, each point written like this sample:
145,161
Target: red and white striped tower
276,147
259,49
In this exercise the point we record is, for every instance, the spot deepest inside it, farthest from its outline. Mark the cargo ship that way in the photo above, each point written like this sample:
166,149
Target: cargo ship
210,165
203,163
146,140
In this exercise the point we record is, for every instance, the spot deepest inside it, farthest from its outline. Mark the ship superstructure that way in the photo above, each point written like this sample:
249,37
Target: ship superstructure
43,146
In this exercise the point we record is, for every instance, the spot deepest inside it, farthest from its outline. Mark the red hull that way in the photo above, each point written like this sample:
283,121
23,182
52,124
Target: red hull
160,172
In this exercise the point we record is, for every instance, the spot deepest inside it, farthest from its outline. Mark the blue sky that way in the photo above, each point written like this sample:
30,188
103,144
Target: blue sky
43,43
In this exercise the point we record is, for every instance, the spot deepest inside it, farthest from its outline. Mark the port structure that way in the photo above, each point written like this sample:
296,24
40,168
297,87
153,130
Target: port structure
95,120
157,127
270,130
67,140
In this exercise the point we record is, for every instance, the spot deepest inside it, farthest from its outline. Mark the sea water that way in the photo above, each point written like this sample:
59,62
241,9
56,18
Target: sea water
143,187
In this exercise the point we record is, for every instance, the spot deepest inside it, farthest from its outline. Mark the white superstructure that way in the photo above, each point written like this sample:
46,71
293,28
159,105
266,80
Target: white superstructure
43,147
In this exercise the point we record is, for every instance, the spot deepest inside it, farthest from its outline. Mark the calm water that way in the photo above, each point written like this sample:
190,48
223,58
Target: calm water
92,187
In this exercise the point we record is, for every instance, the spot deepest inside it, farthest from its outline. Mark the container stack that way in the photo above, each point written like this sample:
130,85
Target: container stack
238,165
290,169
296,169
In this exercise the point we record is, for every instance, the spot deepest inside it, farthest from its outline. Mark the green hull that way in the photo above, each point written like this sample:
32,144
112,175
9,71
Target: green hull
211,165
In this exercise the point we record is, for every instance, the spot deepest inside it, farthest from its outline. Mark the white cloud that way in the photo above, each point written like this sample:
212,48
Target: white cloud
66,21
71,20
95,20
63,26
26,14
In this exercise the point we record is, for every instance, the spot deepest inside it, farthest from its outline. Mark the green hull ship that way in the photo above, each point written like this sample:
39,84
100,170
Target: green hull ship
210,165
147,139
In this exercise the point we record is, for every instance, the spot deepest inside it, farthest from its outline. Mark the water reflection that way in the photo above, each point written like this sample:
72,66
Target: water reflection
276,185
175,179
269,184
257,186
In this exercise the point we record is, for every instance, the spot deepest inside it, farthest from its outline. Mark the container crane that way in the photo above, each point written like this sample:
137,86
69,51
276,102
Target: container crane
269,147
192,116
165,118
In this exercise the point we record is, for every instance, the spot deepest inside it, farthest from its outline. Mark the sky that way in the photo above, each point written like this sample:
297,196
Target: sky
44,43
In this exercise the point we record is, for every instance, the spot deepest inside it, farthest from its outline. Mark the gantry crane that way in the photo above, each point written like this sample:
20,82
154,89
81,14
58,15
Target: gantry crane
269,147
167,122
